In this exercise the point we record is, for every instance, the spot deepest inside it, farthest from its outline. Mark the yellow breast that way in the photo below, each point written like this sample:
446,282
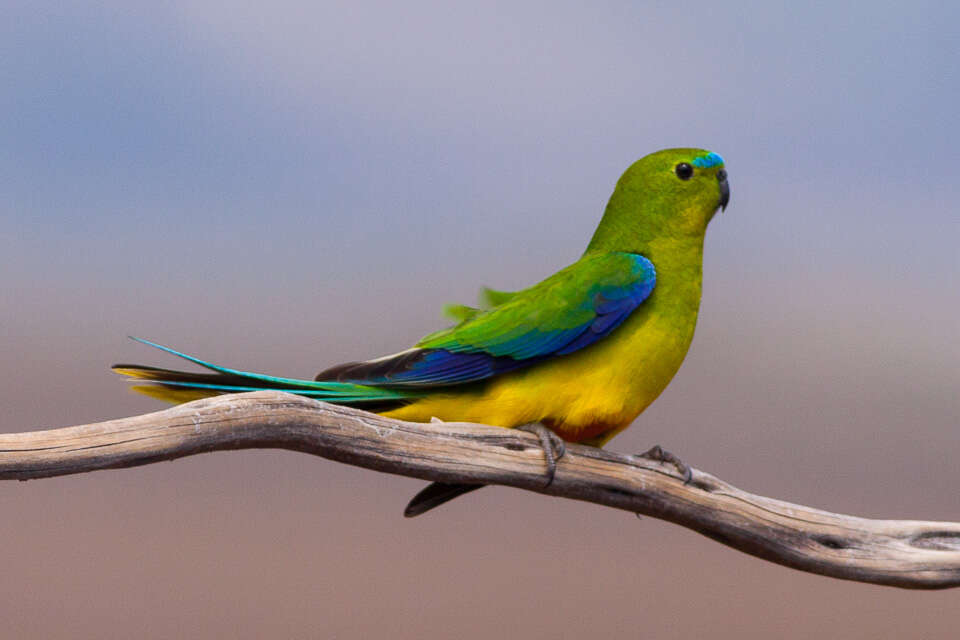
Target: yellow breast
590,395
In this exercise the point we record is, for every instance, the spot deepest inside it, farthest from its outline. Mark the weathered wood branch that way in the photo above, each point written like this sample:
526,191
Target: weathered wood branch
902,553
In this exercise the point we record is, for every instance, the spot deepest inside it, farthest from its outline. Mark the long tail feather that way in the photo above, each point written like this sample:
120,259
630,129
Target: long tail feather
183,386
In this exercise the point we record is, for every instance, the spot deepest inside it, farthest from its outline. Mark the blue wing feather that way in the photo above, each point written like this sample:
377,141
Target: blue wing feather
603,305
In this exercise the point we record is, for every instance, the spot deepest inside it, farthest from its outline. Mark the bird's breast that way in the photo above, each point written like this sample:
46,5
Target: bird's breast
589,395
602,389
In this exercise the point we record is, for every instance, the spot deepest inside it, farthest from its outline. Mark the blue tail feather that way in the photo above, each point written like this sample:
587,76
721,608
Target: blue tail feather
226,380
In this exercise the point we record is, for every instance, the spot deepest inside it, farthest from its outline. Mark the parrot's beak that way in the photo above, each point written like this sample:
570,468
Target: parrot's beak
724,189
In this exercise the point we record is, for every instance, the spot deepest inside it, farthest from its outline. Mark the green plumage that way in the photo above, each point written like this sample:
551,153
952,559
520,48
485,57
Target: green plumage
584,352
531,322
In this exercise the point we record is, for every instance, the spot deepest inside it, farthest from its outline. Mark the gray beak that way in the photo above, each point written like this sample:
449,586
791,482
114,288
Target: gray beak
724,189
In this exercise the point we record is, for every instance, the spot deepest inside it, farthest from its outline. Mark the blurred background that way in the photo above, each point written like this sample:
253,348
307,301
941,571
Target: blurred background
283,186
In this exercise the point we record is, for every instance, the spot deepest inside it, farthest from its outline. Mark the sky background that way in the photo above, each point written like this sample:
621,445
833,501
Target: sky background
283,186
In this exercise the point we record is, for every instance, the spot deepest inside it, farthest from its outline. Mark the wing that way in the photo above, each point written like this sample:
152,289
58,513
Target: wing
568,311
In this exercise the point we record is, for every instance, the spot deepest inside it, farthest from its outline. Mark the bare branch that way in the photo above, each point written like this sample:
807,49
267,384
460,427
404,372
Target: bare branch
902,553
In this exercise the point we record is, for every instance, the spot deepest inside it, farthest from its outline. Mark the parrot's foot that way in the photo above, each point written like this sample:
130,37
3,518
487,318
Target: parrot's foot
553,447
659,454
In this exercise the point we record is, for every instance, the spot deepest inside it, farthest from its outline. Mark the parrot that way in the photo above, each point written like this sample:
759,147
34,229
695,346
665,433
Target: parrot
575,358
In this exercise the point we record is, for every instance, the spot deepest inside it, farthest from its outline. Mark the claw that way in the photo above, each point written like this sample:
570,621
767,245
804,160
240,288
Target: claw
553,447
659,454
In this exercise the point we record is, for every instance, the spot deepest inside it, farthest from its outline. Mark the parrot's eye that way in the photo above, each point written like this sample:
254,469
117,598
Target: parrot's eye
722,175
684,171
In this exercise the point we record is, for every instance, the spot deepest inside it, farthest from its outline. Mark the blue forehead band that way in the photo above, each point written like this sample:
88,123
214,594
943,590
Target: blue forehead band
710,160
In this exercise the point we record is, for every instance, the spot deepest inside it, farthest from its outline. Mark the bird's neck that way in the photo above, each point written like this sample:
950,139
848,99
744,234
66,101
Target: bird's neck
679,251
649,227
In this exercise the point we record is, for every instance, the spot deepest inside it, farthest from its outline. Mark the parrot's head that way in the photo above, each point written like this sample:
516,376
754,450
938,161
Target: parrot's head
672,193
